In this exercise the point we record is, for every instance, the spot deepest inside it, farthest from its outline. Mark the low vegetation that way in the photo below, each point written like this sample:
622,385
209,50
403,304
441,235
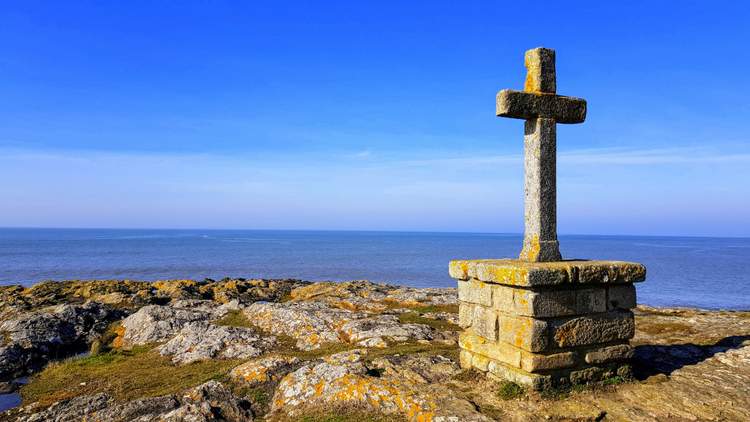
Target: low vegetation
438,324
125,375
508,390
235,319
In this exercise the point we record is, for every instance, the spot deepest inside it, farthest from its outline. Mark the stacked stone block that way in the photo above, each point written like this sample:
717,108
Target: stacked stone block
545,324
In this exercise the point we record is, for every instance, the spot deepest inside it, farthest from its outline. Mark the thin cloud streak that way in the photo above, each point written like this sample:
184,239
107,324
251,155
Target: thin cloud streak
601,156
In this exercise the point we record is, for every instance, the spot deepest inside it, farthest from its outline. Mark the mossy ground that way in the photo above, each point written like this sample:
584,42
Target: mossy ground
125,375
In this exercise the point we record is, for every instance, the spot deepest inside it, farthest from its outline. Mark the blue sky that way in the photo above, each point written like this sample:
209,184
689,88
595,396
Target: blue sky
369,115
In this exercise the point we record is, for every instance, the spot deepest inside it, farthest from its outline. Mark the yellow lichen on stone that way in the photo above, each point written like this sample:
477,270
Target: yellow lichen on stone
531,249
533,71
514,272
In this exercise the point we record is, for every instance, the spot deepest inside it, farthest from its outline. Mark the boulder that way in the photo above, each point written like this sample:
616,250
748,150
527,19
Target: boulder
155,323
359,331
202,340
209,402
344,381
313,324
34,338
263,370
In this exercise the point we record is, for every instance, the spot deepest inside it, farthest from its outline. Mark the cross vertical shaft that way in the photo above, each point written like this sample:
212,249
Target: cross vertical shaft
542,109
540,196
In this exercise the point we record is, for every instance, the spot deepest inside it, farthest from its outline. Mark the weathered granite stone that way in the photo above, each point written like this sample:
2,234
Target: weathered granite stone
542,109
342,380
475,292
498,351
364,331
540,202
621,297
593,329
202,340
540,71
523,332
154,323
313,324
609,354
506,372
259,371
535,362
484,322
540,274
548,303
465,315
531,105
34,338
511,355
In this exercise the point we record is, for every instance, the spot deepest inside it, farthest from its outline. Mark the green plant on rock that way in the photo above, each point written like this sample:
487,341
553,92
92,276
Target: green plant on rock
508,390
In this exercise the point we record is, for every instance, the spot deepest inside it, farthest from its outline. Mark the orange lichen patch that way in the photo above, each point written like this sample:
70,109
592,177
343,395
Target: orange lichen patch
313,338
118,341
263,370
382,395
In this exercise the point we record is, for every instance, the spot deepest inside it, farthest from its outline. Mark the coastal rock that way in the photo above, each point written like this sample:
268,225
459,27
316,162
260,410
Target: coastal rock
75,409
249,291
129,294
313,324
419,369
260,371
364,295
343,381
310,323
209,402
154,323
359,331
202,340
33,338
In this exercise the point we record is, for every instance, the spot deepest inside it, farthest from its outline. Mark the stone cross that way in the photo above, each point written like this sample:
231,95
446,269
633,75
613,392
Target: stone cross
542,108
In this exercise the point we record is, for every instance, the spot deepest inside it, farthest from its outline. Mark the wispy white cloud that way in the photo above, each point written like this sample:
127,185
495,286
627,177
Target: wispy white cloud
601,156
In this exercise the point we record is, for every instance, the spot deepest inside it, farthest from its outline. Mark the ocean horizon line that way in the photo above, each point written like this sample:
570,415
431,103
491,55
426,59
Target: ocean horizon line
292,230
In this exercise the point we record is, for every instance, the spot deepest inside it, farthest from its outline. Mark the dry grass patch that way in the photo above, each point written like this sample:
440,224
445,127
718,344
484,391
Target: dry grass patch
419,307
235,319
414,348
438,324
125,375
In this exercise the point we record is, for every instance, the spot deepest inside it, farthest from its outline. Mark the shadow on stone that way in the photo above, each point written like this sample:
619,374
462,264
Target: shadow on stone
655,359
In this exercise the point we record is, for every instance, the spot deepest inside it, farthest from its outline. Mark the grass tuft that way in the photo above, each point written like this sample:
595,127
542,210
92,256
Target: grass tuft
616,380
509,390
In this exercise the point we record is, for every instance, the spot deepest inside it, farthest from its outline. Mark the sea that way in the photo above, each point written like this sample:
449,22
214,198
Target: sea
703,272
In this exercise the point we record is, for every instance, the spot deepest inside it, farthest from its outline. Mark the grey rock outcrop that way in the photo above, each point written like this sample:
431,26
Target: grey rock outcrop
209,402
34,338
202,340
155,323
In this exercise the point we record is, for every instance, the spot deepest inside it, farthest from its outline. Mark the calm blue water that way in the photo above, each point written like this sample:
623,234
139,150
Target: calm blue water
702,272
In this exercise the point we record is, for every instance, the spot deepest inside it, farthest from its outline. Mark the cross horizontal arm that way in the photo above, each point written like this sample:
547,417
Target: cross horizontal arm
528,105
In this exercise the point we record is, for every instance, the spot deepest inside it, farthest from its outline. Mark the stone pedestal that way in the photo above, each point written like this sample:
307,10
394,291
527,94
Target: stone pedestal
546,324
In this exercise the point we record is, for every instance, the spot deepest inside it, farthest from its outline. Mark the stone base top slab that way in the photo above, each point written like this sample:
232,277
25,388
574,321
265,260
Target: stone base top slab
518,273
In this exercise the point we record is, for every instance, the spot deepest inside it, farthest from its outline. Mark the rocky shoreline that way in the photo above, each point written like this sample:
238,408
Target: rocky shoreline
242,350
